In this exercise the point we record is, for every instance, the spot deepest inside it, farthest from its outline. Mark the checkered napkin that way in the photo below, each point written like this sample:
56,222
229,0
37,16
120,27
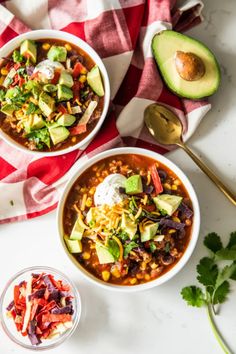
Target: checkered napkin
121,32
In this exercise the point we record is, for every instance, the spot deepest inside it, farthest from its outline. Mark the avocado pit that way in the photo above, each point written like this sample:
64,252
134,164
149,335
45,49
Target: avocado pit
189,66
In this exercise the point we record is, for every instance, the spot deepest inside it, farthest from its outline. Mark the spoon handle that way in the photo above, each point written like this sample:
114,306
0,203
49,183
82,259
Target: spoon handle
209,173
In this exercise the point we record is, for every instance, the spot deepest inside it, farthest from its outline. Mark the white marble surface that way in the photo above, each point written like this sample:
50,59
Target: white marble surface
154,321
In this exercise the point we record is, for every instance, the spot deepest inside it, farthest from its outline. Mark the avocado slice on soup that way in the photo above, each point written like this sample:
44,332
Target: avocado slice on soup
188,67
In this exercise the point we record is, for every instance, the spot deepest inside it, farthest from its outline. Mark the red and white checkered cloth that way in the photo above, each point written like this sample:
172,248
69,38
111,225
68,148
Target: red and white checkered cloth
121,32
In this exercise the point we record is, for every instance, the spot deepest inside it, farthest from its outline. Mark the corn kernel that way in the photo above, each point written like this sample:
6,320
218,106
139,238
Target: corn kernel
92,190
154,265
4,71
177,182
143,266
167,185
97,174
174,187
147,277
86,255
73,139
157,164
2,78
176,219
83,190
83,70
68,47
172,231
139,276
100,179
188,222
105,275
89,202
133,281
82,78
115,272
46,46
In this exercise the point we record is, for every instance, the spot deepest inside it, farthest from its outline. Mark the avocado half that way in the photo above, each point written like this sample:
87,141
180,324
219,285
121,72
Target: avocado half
167,45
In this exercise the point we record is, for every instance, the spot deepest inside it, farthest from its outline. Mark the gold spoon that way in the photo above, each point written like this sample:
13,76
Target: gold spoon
166,128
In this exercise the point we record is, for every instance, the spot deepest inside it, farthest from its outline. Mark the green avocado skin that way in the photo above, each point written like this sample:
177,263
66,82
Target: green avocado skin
171,35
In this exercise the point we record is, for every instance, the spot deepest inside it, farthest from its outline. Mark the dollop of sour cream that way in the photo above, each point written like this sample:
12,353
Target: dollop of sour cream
107,192
47,68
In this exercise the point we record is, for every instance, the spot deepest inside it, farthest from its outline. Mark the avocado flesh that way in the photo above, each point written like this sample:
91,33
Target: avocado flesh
165,45
74,246
104,256
148,232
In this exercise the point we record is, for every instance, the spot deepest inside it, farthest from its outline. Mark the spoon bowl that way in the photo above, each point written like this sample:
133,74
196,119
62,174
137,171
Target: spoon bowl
166,128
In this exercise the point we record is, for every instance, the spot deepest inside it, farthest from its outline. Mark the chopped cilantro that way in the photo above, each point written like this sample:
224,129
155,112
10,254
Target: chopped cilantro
2,95
40,136
129,248
167,247
32,108
153,247
17,57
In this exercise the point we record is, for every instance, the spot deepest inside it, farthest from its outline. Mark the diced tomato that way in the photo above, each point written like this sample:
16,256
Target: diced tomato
78,129
55,78
62,109
77,69
76,90
156,179
15,80
9,65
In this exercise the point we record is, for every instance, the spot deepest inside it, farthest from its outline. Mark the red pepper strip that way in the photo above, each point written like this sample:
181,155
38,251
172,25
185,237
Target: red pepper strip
17,66
77,69
78,129
16,294
55,78
156,179
16,79
62,109
51,317
8,65
21,81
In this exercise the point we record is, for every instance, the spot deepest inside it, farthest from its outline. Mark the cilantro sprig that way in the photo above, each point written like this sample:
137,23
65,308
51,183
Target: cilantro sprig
215,279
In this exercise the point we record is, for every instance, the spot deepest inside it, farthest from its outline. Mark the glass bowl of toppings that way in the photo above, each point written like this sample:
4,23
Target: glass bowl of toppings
129,219
39,308
54,92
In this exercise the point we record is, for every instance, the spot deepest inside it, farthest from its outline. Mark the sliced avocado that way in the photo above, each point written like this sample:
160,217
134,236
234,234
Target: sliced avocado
12,92
46,104
9,78
168,203
104,256
66,79
91,215
133,185
198,65
66,120
74,246
57,53
9,108
149,231
29,50
77,231
50,88
35,121
58,134
95,81
128,226
64,93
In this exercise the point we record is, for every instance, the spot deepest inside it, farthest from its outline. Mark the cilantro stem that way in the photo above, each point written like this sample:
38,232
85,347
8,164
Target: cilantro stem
216,332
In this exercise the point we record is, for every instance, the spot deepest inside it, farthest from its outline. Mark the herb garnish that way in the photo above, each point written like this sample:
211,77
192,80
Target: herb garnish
129,248
215,279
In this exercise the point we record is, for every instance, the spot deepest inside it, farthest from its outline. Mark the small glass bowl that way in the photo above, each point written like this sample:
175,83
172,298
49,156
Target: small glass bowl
8,324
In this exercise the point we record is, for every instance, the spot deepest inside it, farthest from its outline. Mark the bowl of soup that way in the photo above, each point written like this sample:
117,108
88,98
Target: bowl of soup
54,92
129,219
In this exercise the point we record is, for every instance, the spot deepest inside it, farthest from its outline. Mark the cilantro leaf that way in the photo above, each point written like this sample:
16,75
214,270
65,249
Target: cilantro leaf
225,274
207,272
221,293
40,136
123,236
226,254
153,247
193,295
129,248
32,108
213,242
232,240
17,57
2,95
113,248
